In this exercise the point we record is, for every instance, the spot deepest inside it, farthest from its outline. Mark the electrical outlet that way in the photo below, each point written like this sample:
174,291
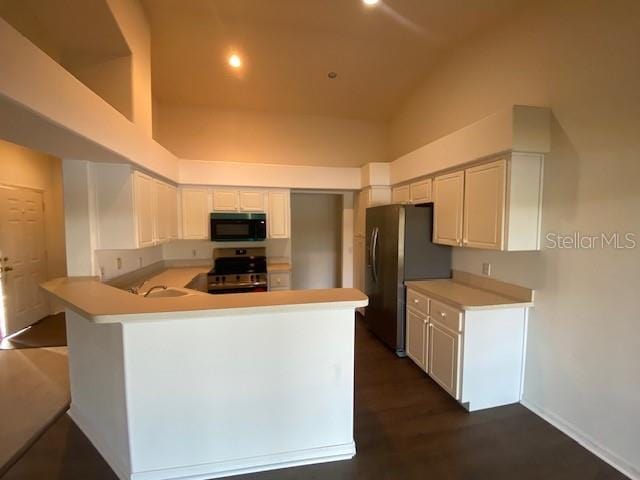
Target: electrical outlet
486,269
119,263
101,272
194,252
140,262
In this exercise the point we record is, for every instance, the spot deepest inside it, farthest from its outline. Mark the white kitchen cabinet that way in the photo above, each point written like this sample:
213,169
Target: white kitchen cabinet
420,192
162,211
495,205
225,200
145,208
172,211
133,209
195,213
448,198
279,281
475,355
400,194
252,201
278,216
444,358
484,205
417,338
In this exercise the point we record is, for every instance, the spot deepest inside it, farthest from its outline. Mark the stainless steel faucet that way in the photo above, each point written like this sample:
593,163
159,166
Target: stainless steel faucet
136,290
155,287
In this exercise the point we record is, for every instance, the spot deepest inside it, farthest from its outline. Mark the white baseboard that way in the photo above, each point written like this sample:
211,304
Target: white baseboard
216,469
120,469
585,440
252,464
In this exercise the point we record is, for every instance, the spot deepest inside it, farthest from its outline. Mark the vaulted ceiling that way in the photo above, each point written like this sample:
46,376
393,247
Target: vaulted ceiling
380,54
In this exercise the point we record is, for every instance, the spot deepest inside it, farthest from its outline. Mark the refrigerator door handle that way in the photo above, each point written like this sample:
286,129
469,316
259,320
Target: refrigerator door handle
374,256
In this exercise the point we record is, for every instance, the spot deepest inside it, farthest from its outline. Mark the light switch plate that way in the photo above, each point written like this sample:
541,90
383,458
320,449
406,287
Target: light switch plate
486,269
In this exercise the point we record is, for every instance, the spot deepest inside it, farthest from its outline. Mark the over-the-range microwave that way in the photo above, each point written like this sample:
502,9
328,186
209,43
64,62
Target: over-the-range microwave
238,227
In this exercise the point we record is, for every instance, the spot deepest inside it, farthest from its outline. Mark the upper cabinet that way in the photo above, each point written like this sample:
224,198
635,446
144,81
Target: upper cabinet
252,201
420,192
133,209
448,198
484,205
278,215
145,209
400,194
495,205
225,200
195,213
232,200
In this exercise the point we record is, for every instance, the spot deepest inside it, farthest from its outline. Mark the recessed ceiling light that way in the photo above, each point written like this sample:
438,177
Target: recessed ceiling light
370,3
235,61
332,75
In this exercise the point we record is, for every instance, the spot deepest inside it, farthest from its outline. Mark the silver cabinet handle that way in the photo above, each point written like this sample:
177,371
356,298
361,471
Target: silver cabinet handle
442,314
415,300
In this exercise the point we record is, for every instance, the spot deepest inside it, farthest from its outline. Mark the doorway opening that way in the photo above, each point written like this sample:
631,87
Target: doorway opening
316,240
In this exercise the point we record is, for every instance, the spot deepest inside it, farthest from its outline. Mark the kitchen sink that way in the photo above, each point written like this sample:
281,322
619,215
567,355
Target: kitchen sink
169,292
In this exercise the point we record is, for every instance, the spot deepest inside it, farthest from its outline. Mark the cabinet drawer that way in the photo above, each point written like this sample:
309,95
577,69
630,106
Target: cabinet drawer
446,315
278,281
417,301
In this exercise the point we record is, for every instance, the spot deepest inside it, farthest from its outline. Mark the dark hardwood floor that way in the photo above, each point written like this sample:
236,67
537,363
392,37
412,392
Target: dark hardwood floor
49,332
406,428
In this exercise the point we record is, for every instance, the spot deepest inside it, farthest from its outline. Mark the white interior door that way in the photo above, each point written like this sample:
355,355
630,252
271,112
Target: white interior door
22,259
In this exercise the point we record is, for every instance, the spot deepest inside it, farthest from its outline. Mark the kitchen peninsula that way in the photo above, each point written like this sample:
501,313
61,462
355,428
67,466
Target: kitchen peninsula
204,386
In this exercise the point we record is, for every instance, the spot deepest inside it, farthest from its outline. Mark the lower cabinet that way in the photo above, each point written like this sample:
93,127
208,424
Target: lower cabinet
474,355
444,358
417,338
279,281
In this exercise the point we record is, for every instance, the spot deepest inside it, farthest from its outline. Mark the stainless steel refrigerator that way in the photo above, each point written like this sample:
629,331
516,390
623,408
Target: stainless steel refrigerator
399,248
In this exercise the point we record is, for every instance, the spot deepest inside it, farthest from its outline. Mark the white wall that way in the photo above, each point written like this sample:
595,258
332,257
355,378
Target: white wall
579,58
23,167
256,137
316,225
132,21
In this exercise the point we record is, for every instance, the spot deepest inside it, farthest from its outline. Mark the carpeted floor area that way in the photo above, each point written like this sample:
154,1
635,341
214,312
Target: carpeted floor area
34,386
48,332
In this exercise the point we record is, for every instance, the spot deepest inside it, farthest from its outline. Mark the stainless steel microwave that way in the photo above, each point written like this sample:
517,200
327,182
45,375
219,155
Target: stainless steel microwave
238,227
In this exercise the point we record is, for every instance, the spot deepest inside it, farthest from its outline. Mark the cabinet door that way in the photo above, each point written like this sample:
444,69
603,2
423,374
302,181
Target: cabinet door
162,214
416,337
195,213
444,358
400,194
448,195
144,199
252,202
225,200
421,191
172,207
484,205
278,215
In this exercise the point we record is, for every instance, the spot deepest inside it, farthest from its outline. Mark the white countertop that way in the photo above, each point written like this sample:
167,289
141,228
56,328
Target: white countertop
465,297
101,303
